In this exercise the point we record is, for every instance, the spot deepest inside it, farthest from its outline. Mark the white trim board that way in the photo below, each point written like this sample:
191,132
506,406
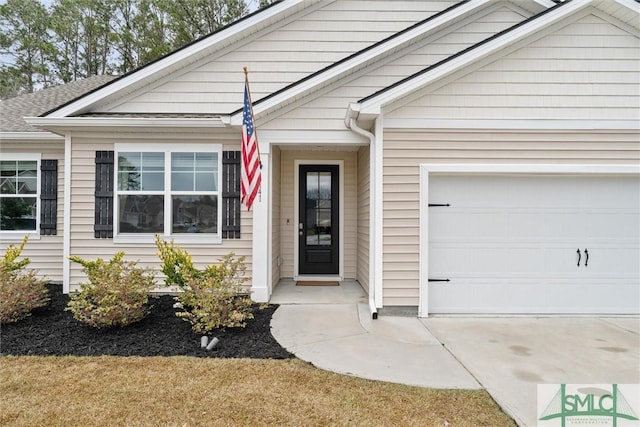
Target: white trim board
296,218
498,124
540,169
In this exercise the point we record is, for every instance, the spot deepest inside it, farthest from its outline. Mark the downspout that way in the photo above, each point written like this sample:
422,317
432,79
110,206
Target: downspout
351,124
66,239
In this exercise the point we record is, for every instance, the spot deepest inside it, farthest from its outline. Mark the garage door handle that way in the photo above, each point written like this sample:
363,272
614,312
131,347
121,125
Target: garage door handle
579,257
586,261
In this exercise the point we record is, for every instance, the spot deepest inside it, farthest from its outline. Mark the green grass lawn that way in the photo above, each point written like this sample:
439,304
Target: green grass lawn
185,391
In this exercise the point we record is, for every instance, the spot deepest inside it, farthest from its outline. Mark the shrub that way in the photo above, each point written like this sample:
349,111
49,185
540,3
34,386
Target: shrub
177,264
214,298
21,291
117,293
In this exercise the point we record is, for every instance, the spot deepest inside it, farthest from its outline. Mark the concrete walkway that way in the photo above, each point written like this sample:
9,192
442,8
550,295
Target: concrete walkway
342,338
508,356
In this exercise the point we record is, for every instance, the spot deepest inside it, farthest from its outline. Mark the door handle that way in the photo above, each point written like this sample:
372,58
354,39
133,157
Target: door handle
300,229
586,261
579,256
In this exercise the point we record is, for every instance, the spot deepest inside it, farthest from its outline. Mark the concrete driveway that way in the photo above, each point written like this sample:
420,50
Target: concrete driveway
510,356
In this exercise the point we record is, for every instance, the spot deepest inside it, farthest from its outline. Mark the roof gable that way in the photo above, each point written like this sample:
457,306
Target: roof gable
500,44
586,71
163,66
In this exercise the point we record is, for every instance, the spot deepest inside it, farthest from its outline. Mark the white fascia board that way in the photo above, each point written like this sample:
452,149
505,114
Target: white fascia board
508,124
257,21
124,122
630,4
336,72
317,137
546,3
31,136
373,105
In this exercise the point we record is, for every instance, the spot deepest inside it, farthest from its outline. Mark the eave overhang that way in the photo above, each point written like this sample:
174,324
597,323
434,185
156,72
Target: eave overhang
130,124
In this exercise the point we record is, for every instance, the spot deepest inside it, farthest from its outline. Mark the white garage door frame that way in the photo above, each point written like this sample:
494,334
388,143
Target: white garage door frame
542,169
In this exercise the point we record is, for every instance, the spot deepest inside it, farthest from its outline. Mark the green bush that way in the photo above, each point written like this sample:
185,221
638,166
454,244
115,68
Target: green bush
117,293
177,264
21,291
214,298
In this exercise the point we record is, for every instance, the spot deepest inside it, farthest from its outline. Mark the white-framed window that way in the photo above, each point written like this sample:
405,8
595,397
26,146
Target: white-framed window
170,190
19,194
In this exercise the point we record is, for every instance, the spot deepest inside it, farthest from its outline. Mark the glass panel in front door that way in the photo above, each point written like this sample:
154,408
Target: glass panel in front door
318,209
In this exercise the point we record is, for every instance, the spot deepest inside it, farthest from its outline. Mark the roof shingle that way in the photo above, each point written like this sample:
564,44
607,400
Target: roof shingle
13,110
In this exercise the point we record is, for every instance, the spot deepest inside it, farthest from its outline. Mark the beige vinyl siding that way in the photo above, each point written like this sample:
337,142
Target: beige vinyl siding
287,203
45,252
84,243
275,215
404,151
328,111
586,70
286,54
364,209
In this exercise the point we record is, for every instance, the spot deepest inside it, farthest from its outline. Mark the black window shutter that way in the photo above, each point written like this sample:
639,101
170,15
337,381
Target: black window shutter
103,226
231,194
48,197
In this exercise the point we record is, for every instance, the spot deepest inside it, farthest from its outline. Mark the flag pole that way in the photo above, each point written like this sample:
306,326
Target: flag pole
255,131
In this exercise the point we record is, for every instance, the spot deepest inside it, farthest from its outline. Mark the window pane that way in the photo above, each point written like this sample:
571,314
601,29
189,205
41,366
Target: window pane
324,182
8,168
18,213
182,181
129,181
312,185
324,226
27,168
141,214
206,181
194,171
140,171
207,162
8,185
129,162
27,185
194,214
152,181
182,162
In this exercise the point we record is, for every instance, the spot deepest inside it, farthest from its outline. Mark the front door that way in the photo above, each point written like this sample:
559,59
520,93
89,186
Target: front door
318,215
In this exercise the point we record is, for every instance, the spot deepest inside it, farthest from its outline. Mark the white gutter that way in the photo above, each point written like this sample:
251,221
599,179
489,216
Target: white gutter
133,122
353,125
30,135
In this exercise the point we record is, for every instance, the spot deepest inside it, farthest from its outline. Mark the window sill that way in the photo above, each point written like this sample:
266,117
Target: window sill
18,236
191,239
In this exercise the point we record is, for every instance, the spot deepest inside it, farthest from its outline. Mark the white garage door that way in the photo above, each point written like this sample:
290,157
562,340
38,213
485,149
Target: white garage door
534,243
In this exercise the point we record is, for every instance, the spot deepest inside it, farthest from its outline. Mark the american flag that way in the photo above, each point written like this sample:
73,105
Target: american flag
251,176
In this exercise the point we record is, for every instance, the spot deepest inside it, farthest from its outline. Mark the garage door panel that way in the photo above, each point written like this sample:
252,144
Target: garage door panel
624,227
509,243
513,297
452,223
501,260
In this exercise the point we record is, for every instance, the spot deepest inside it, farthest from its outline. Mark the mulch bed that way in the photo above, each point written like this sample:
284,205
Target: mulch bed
51,331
